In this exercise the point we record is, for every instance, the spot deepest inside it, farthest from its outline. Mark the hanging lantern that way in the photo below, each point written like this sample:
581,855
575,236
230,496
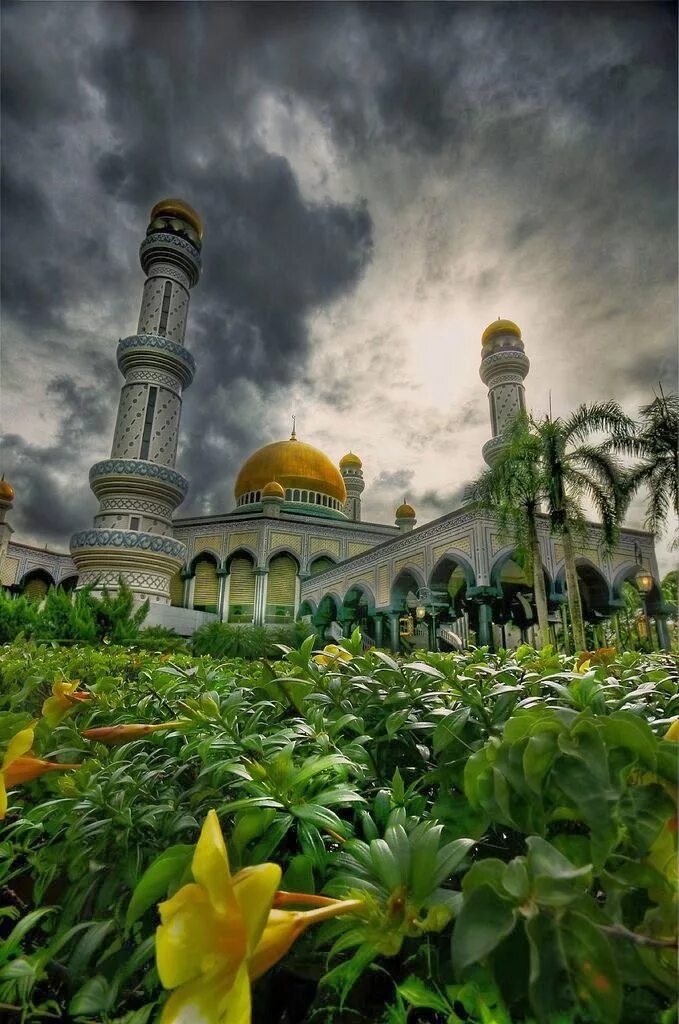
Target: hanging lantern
644,582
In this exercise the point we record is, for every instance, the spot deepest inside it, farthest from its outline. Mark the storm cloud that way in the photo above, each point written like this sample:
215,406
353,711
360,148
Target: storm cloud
377,182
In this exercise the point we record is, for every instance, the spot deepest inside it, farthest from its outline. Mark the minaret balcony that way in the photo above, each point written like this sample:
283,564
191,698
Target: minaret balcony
143,350
140,478
510,361
492,449
161,246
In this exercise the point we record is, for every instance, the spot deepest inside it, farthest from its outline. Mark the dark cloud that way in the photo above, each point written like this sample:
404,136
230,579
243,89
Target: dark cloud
548,130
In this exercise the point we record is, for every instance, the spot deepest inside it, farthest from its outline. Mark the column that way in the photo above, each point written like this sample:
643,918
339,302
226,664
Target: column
395,638
379,630
259,617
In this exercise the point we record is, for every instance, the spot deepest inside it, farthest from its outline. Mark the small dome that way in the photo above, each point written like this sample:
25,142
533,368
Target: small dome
6,491
405,511
500,327
273,490
178,208
350,460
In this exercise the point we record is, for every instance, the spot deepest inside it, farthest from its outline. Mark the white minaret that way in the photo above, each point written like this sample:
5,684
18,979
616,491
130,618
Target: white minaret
351,469
6,531
138,488
504,366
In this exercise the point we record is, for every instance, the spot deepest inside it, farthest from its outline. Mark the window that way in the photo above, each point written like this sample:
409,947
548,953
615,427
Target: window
288,495
148,423
258,496
318,499
295,495
164,313
305,495
134,522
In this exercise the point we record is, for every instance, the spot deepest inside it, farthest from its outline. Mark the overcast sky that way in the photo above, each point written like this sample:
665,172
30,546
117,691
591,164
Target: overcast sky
377,183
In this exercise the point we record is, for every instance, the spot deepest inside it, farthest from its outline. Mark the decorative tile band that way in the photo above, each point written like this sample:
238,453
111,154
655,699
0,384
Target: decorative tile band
128,539
138,467
155,341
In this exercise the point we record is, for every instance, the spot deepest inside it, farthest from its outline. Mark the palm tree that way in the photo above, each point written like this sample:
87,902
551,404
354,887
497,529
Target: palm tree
513,490
577,470
655,443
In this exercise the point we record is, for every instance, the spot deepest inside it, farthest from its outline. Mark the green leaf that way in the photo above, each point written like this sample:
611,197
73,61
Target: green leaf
484,921
450,857
87,946
397,788
321,817
95,997
20,930
157,879
415,992
449,728
386,865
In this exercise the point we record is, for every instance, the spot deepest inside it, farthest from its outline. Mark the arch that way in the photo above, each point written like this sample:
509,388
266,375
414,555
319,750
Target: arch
35,583
362,589
205,582
241,568
320,562
203,552
242,549
595,590
68,583
328,611
409,578
626,574
307,607
281,591
283,550
453,557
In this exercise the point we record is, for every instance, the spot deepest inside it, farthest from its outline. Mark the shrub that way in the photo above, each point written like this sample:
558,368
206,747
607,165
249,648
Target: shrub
225,640
508,821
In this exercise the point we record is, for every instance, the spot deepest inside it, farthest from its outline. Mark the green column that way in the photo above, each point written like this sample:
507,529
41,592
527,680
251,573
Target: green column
395,640
379,630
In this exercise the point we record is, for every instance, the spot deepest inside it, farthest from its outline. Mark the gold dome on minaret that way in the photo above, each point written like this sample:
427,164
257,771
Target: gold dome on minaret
350,460
500,326
291,464
178,208
405,511
6,490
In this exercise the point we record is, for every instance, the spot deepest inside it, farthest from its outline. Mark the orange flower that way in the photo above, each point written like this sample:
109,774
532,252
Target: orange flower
113,734
18,765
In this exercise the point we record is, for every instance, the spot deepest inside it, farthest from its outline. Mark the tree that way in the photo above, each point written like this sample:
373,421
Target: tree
655,443
513,490
577,470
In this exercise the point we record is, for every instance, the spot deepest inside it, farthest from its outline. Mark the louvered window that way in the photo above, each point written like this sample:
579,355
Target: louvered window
320,565
206,586
36,588
176,590
280,596
241,590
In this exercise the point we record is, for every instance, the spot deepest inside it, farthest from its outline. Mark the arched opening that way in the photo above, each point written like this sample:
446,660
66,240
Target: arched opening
327,613
406,632
320,564
241,588
450,614
36,583
205,583
69,583
358,609
514,611
281,591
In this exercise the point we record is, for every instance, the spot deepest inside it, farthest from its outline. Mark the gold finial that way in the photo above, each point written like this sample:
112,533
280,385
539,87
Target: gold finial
293,435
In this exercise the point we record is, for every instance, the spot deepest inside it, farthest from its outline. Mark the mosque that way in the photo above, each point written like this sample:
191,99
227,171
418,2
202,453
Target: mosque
295,544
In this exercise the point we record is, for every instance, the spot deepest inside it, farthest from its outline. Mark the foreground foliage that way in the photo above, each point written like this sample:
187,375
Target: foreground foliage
507,822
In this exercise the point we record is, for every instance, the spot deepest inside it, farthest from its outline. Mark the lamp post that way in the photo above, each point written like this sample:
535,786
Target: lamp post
424,599
644,583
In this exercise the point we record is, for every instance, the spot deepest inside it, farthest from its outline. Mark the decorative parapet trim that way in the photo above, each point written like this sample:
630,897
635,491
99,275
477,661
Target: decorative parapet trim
509,359
139,467
129,350
161,246
128,539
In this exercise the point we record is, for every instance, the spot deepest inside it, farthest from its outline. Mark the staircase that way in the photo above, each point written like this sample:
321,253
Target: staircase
450,637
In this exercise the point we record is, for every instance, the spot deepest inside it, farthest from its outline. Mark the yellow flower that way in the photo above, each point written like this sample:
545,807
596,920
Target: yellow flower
64,697
18,768
331,652
219,932
673,732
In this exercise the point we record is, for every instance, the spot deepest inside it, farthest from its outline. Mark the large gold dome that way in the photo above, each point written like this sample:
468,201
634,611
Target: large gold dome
292,464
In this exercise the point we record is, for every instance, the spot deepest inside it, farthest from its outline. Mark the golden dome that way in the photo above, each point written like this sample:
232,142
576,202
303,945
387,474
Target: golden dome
6,490
273,490
350,460
500,327
178,208
291,464
405,511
